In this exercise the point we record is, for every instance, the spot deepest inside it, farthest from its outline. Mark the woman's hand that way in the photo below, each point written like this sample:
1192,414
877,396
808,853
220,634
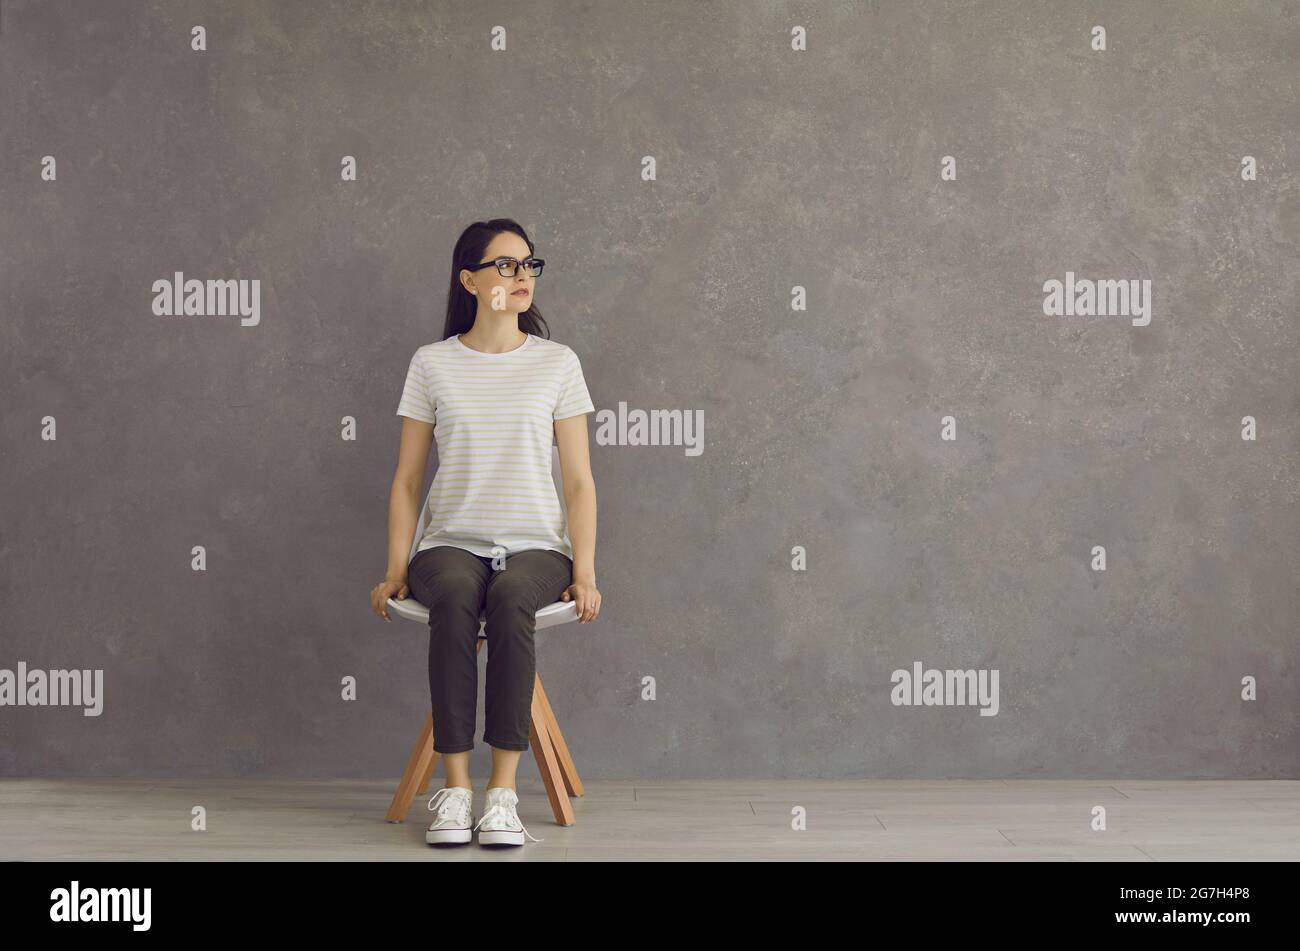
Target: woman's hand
381,592
587,598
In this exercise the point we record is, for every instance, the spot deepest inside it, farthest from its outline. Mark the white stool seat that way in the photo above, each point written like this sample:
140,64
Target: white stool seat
557,612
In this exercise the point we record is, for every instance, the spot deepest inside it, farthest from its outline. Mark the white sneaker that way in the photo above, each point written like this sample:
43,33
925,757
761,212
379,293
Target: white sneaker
500,824
453,804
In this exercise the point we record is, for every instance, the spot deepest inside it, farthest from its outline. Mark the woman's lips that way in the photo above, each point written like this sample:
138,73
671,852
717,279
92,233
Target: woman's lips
519,294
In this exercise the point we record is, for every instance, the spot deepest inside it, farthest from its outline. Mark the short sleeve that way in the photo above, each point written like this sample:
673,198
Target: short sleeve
573,398
415,401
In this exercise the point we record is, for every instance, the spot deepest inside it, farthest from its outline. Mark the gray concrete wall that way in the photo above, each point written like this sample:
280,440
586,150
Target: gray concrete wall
774,169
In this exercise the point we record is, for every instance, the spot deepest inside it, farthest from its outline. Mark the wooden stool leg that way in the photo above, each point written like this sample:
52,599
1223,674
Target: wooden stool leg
539,738
419,767
567,766
423,787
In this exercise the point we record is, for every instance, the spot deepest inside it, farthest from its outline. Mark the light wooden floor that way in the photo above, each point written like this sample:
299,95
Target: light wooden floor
1014,820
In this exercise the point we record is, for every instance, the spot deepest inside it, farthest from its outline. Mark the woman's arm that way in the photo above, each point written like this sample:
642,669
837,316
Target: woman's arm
404,498
579,495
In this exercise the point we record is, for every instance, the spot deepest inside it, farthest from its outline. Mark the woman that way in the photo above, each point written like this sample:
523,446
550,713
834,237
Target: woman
493,392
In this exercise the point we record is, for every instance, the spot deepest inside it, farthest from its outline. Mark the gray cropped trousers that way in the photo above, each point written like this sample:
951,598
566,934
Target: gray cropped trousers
455,585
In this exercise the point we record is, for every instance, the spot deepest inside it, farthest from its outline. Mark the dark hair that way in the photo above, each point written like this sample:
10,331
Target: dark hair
461,304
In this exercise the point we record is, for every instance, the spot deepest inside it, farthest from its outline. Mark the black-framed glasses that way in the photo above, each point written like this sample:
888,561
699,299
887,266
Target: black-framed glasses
509,267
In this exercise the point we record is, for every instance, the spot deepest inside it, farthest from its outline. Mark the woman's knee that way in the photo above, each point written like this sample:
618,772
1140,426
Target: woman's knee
447,588
516,592
454,591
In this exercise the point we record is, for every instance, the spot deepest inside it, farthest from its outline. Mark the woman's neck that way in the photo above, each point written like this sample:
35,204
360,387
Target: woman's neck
500,340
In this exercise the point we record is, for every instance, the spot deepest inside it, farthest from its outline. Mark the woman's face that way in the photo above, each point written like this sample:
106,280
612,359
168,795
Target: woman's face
510,294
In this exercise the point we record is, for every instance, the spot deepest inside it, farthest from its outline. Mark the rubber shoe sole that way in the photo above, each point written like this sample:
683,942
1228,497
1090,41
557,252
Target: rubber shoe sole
448,836
500,837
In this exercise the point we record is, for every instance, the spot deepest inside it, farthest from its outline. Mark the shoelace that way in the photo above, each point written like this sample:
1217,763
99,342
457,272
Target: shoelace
443,797
503,809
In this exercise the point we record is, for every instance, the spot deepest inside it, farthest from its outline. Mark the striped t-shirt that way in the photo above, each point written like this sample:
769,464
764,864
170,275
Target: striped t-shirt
493,416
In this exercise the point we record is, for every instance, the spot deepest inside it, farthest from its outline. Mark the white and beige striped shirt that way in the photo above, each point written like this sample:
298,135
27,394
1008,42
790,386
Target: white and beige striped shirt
493,416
